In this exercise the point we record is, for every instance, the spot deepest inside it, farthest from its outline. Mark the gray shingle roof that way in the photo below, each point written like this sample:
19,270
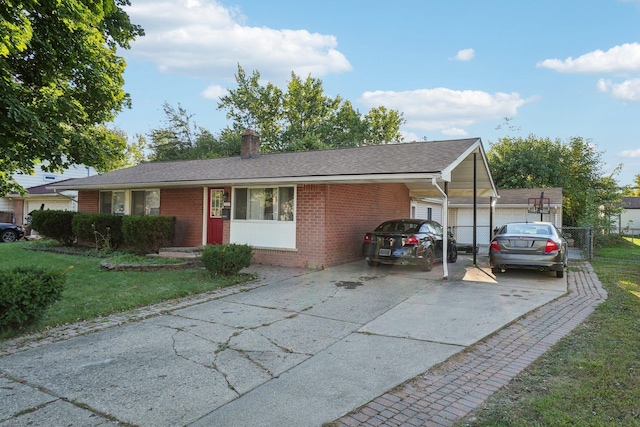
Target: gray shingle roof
631,202
406,158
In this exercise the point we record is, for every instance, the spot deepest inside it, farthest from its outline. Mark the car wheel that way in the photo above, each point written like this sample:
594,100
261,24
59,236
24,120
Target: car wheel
496,270
453,255
372,263
427,261
560,274
8,236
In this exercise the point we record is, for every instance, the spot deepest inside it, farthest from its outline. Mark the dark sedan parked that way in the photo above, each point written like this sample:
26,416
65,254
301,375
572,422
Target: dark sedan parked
10,232
407,242
532,245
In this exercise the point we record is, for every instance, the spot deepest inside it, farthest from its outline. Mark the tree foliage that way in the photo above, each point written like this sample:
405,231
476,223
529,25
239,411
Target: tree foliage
60,80
576,166
634,189
303,117
182,139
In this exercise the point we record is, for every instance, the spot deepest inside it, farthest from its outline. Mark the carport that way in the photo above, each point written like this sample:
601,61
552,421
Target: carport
467,175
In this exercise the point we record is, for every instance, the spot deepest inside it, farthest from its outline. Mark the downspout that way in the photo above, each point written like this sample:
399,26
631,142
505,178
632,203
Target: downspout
445,229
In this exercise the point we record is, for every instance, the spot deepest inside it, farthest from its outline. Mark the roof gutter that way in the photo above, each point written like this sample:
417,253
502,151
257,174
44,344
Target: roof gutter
334,179
55,190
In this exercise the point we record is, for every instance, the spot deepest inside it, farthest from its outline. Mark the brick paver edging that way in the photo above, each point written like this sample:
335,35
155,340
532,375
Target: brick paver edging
451,390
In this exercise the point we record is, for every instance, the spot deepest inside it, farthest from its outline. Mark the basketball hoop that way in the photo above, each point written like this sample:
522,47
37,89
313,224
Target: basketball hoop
539,205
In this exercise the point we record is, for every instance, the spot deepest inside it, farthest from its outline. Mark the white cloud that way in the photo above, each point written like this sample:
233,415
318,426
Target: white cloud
214,92
618,59
465,55
410,136
630,153
628,90
447,110
206,39
454,132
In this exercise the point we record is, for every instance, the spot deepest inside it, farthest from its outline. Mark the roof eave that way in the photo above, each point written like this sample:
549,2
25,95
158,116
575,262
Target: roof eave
334,179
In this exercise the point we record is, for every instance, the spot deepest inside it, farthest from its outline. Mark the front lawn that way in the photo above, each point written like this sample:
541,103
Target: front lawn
91,291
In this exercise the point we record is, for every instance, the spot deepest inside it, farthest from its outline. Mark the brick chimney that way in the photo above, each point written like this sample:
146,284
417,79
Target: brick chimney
250,148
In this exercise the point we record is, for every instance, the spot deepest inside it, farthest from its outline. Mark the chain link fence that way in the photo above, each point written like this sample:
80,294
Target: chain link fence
580,240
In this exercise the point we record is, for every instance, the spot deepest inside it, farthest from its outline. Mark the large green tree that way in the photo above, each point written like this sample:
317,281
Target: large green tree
575,165
303,117
182,139
61,80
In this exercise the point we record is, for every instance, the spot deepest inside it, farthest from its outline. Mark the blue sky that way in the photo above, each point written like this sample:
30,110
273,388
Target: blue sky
456,69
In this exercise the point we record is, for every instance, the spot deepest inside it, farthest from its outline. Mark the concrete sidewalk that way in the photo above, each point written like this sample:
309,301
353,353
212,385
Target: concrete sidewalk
297,348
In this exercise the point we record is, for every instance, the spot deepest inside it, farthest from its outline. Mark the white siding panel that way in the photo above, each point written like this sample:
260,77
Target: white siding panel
6,205
264,234
422,211
41,177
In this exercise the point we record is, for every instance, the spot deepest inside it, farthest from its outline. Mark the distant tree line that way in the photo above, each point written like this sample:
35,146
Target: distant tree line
300,118
590,197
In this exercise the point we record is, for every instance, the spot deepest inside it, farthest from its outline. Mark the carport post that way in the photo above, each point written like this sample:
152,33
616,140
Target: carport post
475,207
445,228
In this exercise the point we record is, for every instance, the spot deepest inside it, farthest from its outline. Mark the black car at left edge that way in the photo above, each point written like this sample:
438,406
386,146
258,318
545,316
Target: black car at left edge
408,242
10,232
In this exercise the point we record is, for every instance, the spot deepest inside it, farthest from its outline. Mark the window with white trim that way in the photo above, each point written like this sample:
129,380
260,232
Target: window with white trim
130,202
264,204
112,202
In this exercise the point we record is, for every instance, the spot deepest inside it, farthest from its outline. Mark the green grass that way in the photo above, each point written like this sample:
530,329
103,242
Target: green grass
592,376
91,291
627,248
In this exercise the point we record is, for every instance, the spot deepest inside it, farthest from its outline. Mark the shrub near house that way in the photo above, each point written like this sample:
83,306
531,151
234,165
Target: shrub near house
226,260
145,234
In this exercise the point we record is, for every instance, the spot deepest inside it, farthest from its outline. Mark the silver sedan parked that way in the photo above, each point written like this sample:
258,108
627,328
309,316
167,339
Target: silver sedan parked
529,245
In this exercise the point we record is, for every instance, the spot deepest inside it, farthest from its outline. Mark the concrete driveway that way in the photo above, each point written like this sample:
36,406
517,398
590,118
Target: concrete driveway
297,350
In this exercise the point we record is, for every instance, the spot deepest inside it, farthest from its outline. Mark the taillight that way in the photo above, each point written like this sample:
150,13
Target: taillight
495,246
367,238
551,247
411,240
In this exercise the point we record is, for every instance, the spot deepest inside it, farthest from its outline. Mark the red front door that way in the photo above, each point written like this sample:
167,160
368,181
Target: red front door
214,222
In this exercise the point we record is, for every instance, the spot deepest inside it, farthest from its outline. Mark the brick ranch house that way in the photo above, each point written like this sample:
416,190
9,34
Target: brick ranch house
298,209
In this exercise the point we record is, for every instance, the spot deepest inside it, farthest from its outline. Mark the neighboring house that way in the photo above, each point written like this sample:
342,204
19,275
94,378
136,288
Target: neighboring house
15,207
628,221
512,205
303,209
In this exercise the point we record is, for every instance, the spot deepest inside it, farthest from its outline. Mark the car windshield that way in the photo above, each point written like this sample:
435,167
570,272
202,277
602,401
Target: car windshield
527,229
398,227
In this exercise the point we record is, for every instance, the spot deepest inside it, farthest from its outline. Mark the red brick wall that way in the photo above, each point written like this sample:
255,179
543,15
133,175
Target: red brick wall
186,204
332,220
89,201
355,209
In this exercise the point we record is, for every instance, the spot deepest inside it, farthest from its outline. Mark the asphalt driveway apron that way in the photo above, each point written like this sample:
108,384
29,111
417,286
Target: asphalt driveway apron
296,351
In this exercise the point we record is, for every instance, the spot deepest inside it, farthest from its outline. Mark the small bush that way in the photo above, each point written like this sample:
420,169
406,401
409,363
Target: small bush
26,292
55,225
105,230
148,234
226,260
